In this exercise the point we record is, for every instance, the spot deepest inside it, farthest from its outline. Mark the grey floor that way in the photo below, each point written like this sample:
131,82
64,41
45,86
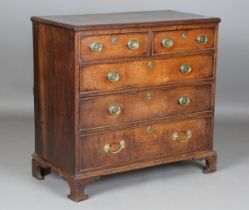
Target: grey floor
174,186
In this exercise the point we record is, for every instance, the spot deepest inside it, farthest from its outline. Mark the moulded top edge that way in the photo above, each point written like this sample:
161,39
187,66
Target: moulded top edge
127,19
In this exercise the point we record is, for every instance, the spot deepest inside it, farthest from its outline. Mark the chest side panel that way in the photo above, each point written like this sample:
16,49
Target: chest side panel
54,95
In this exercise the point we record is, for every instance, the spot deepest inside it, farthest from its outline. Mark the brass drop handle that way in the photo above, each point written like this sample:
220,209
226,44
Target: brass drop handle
185,68
113,76
114,110
167,42
133,44
202,39
184,100
120,146
96,47
187,136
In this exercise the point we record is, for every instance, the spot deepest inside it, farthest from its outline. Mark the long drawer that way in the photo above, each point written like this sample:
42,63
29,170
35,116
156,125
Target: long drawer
144,105
147,72
141,143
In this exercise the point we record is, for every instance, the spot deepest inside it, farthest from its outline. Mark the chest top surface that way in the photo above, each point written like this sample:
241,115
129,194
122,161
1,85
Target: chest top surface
86,21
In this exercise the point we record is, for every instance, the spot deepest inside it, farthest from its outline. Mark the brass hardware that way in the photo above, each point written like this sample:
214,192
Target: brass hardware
185,68
184,36
150,65
187,136
114,110
133,44
114,41
149,129
96,47
149,95
113,76
184,100
108,147
168,43
202,39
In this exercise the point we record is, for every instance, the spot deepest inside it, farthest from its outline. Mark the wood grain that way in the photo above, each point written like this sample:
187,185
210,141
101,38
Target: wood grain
139,144
111,50
54,94
182,45
135,106
125,19
165,70
72,94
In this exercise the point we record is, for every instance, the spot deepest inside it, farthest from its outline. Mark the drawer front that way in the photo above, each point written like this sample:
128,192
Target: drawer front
113,148
156,71
113,46
144,105
183,40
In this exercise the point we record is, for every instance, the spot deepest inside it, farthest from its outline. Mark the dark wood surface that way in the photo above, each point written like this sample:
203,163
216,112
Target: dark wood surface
93,78
124,19
54,95
114,51
141,145
180,44
164,103
72,94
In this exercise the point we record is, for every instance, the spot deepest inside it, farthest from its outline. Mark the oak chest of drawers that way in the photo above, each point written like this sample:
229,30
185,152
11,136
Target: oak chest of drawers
118,92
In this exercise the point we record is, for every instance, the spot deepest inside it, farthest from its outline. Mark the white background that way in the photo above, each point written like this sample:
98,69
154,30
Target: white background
16,64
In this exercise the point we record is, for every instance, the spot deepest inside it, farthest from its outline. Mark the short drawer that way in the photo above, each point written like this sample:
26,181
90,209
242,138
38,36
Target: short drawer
113,46
141,143
144,105
183,40
148,72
